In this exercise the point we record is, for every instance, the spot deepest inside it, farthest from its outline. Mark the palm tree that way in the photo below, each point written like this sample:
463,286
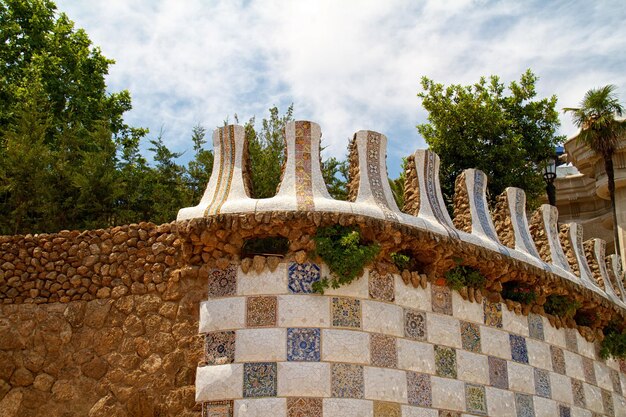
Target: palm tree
600,131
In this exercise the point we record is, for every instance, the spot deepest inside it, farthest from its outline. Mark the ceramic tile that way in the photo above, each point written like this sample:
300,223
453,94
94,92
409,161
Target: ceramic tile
564,411
542,383
414,324
574,365
515,323
539,354
222,282
407,296
535,327
217,409
448,394
379,317
445,361
500,403
545,407
622,365
561,386
264,283
519,352
302,276
415,356
383,351
304,379
222,314
617,385
475,399
347,407
443,330
217,382
386,409
345,346
381,287
303,344
346,380
571,342
558,359
470,336
607,403
465,310
219,348
442,299
472,367
449,413
498,375
385,384
346,312
578,393
524,405
261,311
304,407
593,398
590,372
303,171
521,378
495,342
411,411
419,389
303,311
261,345
603,376
259,379
493,314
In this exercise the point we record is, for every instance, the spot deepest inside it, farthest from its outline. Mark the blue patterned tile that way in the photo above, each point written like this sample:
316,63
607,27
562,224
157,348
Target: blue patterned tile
519,352
259,379
302,277
564,411
303,345
542,383
524,405
535,326
419,389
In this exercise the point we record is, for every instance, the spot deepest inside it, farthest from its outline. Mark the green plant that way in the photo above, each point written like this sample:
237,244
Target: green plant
401,260
614,343
464,276
560,305
515,291
343,250
274,245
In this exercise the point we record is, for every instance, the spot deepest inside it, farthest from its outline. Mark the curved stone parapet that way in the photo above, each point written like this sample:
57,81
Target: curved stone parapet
574,236
597,251
614,268
517,223
226,191
544,231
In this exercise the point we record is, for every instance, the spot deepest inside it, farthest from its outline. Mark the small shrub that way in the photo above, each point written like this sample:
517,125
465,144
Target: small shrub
614,343
274,245
401,261
342,249
560,305
515,291
464,276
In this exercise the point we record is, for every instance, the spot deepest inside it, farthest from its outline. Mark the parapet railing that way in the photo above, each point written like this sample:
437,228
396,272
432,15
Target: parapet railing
507,232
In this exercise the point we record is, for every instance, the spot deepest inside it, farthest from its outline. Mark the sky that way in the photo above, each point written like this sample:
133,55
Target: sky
347,65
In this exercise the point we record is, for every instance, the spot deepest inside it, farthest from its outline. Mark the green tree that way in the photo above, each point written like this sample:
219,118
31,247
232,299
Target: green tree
600,131
198,171
169,192
480,126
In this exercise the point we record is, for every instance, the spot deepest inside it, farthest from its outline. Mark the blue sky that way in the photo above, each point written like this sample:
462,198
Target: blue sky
347,65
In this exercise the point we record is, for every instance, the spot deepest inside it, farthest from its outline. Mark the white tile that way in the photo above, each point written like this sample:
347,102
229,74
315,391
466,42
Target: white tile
619,405
345,346
472,367
545,407
266,282
539,354
416,356
561,387
385,384
310,379
521,378
603,376
514,323
443,330
553,335
465,310
574,365
219,382
358,288
383,318
347,407
586,348
495,342
500,403
593,398
303,311
222,314
448,393
410,411
408,296
261,345
260,407
580,412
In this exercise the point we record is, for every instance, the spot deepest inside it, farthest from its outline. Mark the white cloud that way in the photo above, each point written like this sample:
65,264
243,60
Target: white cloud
347,65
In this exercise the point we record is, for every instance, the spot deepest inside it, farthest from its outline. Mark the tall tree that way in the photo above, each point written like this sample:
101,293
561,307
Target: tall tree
600,131
480,126
199,169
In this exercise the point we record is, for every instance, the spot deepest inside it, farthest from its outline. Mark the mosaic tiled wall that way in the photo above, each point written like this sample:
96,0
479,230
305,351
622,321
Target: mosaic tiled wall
381,348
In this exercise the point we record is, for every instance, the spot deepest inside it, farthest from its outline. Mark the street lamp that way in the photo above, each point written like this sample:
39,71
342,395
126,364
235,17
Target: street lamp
549,175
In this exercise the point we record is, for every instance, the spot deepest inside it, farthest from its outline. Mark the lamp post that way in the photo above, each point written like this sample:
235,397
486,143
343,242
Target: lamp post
549,175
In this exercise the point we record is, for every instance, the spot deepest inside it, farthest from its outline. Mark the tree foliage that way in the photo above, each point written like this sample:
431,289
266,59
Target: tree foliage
505,134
